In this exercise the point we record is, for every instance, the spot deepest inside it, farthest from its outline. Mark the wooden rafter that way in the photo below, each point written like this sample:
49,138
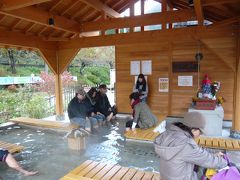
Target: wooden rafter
220,56
212,16
2,17
18,39
29,28
39,16
55,5
199,12
123,6
42,30
143,20
218,2
182,34
226,10
98,5
220,13
9,5
225,22
88,16
168,2
79,13
116,3
70,6
15,24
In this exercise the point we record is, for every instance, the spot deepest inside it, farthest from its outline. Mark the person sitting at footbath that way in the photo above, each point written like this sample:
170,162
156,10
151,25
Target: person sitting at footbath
142,116
79,111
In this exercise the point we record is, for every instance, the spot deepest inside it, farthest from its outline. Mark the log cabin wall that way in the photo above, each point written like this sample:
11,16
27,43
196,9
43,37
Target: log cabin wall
218,62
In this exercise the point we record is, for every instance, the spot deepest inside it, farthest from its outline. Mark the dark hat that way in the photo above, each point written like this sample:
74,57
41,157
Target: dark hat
134,96
103,86
195,120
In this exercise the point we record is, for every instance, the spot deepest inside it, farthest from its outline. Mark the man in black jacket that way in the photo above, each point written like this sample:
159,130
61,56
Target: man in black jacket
102,103
78,111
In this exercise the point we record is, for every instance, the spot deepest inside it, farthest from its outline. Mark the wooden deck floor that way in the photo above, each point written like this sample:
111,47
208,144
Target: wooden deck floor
12,148
95,170
42,123
144,134
219,143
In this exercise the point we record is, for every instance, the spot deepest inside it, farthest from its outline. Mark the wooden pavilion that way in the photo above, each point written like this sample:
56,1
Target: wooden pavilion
58,29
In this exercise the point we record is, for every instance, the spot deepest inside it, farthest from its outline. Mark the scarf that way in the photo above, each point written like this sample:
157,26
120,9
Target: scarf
134,104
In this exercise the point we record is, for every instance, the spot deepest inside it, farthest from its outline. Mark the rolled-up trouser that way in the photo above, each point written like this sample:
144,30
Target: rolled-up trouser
3,154
82,122
93,122
99,117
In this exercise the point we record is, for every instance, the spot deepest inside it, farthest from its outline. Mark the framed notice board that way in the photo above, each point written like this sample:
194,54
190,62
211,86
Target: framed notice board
188,66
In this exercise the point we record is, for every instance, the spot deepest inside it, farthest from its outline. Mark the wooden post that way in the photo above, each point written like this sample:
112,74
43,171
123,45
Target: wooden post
170,77
164,9
235,131
59,98
58,61
142,11
132,13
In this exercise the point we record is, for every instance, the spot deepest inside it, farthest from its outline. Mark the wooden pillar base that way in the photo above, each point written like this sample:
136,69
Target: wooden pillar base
235,134
60,117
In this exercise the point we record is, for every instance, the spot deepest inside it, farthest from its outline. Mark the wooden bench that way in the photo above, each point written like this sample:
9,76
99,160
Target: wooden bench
144,134
12,148
96,170
43,123
219,143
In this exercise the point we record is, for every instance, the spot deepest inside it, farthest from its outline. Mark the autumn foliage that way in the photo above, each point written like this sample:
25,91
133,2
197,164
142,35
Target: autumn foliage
47,84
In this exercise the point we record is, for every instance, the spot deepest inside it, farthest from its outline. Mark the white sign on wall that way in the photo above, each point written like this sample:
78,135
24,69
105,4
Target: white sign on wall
147,67
185,80
135,67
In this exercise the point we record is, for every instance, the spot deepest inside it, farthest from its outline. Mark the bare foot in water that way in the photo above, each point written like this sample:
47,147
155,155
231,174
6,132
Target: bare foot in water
30,173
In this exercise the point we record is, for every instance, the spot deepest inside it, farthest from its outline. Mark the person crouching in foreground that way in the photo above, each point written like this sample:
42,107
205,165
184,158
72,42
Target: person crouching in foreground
142,116
179,152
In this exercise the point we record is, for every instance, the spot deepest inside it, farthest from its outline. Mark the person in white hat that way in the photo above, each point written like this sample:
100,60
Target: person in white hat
179,152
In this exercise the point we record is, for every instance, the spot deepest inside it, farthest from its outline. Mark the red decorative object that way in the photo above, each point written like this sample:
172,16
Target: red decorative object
205,104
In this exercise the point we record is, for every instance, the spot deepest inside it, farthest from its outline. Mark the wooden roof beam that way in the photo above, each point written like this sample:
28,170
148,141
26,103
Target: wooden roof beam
71,5
182,34
199,12
143,20
55,5
98,5
15,24
8,5
39,16
17,39
218,2
168,2
225,22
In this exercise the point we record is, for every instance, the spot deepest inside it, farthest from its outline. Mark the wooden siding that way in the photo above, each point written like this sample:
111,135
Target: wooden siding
218,62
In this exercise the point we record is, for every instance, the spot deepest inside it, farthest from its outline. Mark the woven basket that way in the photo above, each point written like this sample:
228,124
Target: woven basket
77,143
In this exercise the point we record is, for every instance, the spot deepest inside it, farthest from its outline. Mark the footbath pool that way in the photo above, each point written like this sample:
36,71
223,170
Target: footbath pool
47,152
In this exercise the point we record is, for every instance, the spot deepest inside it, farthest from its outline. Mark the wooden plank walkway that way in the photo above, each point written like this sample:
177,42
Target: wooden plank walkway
12,148
95,170
144,134
42,123
219,143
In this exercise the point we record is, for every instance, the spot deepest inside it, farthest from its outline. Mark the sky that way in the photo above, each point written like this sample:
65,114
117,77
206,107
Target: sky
150,7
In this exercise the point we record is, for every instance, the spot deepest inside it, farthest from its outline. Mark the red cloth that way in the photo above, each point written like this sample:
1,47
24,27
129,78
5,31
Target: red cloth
206,80
134,104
